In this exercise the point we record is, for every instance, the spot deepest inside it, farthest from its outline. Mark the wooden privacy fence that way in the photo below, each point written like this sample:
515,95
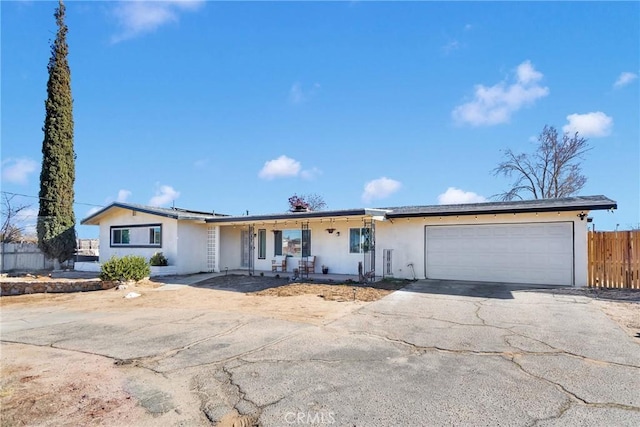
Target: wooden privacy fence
614,259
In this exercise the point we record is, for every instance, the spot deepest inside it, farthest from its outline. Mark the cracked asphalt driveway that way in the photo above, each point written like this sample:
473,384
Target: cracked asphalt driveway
434,353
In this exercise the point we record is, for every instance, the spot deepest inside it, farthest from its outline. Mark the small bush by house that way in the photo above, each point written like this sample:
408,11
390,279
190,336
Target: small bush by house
159,260
129,267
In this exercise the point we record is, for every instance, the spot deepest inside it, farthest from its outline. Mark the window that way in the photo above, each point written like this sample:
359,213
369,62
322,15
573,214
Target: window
120,236
137,236
292,242
359,240
262,244
306,242
155,235
277,242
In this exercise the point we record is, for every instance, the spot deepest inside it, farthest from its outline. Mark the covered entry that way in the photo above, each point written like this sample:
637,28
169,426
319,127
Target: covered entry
536,253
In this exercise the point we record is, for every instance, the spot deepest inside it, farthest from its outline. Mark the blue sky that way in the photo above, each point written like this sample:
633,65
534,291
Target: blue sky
235,106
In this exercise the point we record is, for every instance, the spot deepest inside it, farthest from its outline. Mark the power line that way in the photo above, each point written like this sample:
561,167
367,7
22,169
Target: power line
49,200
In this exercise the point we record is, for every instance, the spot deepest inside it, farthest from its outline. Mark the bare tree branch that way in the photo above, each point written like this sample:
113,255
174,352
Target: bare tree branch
551,171
11,231
312,202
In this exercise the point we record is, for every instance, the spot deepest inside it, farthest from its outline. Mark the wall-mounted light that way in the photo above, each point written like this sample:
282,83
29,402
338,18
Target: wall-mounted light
582,216
330,230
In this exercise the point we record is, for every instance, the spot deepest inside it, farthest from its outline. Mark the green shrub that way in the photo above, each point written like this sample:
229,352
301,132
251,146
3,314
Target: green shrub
128,267
159,260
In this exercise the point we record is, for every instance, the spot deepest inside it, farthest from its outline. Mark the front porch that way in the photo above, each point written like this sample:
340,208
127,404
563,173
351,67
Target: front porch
342,241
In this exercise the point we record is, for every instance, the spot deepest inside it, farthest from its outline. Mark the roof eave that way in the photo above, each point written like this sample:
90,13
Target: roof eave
90,220
590,207
295,216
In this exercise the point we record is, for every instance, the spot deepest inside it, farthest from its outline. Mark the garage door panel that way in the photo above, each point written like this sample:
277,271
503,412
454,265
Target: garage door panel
540,253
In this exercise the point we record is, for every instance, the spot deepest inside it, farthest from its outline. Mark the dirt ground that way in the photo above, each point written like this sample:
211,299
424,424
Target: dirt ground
620,305
57,387
89,390
46,387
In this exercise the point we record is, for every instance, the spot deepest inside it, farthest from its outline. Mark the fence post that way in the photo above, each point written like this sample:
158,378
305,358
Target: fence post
627,260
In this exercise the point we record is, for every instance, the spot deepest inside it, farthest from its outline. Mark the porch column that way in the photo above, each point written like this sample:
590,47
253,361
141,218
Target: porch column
213,249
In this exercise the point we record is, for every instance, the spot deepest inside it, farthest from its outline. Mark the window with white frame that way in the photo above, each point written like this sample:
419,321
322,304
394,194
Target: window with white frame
262,244
120,236
292,243
155,235
359,240
138,235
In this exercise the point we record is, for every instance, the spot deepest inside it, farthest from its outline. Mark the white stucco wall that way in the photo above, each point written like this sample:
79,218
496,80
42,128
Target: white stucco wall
122,217
406,238
184,243
192,247
229,248
331,250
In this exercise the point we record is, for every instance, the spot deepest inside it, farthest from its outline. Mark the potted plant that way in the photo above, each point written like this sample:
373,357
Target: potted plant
325,269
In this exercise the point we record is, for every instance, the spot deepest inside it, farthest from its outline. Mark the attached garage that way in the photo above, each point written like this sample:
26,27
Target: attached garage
541,242
536,253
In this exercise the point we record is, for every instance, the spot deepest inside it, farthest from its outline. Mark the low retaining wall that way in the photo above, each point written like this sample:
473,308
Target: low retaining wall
94,267
52,286
91,267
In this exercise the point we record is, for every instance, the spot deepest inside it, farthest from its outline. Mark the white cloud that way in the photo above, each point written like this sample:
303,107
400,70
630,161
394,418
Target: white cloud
26,215
379,189
295,93
451,46
299,95
164,194
138,17
310,174
281,167
456,196
495,104
27,219
589,125
527,74
624,79
17,170
92,211
123,195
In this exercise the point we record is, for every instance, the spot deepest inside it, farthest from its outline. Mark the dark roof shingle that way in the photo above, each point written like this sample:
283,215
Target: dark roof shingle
541,205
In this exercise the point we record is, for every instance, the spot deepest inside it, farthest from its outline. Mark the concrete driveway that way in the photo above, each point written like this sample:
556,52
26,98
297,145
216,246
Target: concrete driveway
435,353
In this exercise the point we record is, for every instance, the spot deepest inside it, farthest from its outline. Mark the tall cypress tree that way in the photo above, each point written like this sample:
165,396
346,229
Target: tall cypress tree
56,220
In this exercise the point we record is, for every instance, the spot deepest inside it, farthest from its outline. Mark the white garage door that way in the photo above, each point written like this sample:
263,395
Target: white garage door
537,253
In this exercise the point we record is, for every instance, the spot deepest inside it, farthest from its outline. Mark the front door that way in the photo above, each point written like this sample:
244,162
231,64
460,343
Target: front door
369,250
245,245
